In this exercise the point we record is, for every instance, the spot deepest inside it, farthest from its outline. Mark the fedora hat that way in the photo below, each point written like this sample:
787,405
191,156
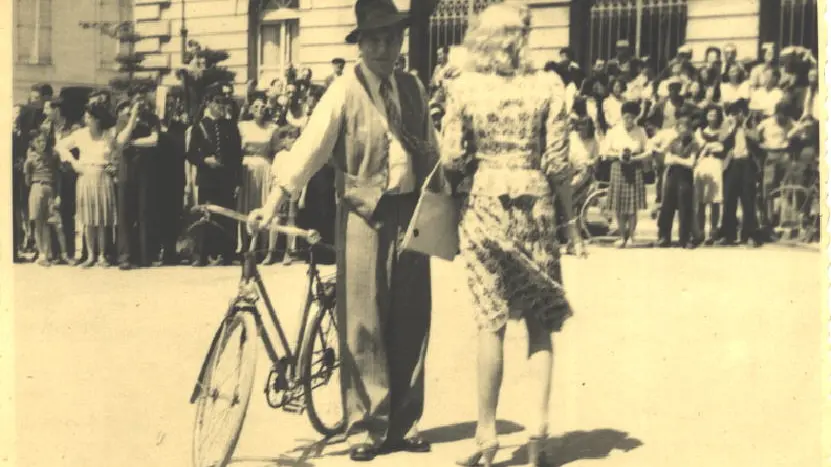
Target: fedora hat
376,14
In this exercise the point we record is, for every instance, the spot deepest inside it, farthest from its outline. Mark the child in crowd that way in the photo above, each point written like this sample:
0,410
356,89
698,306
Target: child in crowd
679,159
41,175
286,136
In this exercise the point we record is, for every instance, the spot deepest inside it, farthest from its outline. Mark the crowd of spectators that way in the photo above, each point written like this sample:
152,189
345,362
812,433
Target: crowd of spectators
713,134
82,196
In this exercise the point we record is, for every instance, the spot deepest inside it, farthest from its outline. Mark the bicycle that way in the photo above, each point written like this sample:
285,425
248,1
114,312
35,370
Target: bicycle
794,211
596,220
296,373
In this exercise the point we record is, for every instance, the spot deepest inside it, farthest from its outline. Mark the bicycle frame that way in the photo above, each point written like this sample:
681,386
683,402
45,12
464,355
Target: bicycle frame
251,289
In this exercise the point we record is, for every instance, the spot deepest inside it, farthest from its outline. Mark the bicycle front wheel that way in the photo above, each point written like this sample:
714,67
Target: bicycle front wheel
596,220
225,391
320,372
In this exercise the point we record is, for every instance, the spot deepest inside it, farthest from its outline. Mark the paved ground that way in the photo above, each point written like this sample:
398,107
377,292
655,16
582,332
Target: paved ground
674,358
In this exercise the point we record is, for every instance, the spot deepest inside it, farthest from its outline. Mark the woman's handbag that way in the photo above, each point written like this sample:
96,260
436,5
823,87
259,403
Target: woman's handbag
433,230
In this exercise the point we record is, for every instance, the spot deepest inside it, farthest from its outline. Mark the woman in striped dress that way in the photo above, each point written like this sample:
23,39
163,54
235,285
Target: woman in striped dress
625,145
258,148
99,148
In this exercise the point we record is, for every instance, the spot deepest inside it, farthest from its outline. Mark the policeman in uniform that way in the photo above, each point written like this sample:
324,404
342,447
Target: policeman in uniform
215,149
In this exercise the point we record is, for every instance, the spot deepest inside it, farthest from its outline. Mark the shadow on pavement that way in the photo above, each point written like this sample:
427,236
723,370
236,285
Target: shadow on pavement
297,457
466,430
580,445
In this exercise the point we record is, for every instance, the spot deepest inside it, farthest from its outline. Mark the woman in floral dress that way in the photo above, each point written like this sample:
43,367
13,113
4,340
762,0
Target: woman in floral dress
506,124
258,148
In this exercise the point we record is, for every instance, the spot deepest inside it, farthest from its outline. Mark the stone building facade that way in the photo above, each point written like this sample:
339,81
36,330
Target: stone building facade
49,46
263,36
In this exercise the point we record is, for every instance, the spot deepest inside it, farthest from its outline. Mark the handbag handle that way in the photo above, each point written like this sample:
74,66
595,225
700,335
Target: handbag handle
445,185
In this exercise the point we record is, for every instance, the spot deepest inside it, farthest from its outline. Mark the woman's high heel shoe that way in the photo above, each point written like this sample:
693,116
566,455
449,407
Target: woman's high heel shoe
536,451
269,259
484,455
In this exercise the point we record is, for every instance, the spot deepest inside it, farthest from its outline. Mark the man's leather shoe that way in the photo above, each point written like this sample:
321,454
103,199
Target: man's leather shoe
414,444
362,453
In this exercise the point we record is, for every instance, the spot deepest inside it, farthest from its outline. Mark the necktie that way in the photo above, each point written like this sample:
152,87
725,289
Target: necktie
393,116
394,122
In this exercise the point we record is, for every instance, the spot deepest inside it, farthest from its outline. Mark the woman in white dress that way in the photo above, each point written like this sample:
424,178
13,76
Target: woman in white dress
736,87
258,148
99,149
708,178
613,103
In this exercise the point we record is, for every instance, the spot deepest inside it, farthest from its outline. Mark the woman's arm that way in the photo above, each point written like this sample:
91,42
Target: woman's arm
123,137
149,141
456,146
64,148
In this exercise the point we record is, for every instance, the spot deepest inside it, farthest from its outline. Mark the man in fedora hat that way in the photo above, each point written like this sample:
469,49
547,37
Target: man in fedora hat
374,125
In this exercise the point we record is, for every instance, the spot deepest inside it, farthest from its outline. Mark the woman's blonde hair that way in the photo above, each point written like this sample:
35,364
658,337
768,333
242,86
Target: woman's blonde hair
497,40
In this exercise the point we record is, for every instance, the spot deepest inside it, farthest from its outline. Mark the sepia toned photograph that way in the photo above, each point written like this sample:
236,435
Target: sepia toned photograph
314,233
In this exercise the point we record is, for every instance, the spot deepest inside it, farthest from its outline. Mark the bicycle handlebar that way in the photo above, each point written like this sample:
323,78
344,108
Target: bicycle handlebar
311,236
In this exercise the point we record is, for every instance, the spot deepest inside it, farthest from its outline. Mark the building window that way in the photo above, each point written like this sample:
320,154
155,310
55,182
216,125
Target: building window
34,31
273,4
114,12
277,49
654,29
798,24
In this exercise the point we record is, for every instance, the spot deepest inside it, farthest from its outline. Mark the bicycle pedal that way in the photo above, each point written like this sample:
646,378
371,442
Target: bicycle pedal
295,407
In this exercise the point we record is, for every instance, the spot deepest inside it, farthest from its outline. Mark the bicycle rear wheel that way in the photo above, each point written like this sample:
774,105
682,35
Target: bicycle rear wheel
789,211
320,371
225,391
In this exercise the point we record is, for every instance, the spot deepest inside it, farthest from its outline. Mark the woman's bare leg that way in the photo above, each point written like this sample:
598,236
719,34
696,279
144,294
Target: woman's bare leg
92,248
101,231
61,242
490,366
540,360
632,226
623,229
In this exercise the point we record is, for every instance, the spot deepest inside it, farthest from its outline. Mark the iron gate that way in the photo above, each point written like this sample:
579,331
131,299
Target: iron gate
449,22
654,28
798,24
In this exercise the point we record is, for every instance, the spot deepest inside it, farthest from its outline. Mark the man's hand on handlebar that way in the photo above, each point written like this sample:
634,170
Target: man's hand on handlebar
258,219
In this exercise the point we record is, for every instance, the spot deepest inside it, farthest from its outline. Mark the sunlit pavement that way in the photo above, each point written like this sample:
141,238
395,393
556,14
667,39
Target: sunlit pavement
674,358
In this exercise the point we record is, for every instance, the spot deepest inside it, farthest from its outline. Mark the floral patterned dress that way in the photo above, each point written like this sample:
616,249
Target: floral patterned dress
510,134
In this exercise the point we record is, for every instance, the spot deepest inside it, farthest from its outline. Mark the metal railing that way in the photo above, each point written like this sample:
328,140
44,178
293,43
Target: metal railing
654,28
449,22
798,24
